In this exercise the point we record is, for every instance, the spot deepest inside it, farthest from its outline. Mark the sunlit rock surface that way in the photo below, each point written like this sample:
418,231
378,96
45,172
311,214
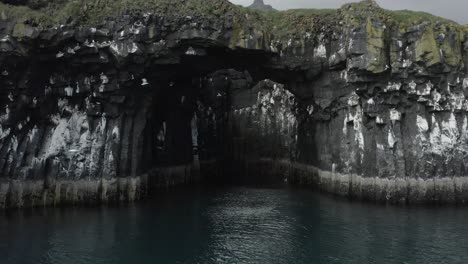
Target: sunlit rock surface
108,104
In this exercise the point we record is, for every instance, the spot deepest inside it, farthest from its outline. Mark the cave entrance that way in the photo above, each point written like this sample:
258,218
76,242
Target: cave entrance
193,131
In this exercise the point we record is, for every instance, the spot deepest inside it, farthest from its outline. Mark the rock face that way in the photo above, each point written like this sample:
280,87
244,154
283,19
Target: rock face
104,101
260,5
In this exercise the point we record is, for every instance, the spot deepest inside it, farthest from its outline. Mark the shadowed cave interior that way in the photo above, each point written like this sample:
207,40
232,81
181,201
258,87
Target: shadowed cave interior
195,120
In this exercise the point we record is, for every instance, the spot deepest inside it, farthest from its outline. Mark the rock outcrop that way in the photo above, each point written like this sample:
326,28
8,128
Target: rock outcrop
104,101
260,5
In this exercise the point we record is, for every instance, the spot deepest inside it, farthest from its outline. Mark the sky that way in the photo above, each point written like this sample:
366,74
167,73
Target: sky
456,10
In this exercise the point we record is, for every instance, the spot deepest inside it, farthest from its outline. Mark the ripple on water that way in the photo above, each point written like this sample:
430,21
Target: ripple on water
238,225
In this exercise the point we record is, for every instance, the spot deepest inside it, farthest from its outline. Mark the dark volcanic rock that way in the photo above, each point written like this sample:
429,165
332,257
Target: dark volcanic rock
260,5
104,101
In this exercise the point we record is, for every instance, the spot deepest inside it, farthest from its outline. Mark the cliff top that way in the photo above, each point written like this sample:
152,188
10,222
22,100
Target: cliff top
46,13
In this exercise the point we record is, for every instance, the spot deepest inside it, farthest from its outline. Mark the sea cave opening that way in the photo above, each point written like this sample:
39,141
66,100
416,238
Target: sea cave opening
217,117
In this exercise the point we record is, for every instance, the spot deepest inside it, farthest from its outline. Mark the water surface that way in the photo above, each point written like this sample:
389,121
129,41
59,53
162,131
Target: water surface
236,225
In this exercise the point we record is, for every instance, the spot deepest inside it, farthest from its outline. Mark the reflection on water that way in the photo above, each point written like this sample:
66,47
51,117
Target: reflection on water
238,225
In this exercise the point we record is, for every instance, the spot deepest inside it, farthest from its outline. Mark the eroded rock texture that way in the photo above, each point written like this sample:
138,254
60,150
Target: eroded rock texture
360,101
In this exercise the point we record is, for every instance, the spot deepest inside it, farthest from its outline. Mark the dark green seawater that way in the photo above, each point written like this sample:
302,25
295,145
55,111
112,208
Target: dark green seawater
236,225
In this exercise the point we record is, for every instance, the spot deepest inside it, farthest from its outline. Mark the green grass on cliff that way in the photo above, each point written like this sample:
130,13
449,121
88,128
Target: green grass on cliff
23,13
295,22
361,11
280,23
415,17
96,11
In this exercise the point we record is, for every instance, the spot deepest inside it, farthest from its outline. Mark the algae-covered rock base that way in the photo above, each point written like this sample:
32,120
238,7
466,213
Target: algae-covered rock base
105,101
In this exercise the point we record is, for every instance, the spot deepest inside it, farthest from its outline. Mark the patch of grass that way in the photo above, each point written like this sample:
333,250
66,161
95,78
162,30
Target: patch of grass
294,22
23,13
96,11
415,17
282,24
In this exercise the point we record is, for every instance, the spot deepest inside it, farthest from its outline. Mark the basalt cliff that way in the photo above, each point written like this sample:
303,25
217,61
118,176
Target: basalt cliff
104,100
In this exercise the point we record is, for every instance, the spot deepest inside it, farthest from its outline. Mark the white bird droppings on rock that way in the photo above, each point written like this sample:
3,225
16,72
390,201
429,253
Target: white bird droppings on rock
427,90
320,51
104,78
353,100
310,109
436,96
395,115
392,87
191,51
379,120
69,91
115,133
380,146
422,124
391,139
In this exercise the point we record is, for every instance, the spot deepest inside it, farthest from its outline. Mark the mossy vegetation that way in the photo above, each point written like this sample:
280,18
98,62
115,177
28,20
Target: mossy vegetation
96,11
409,17
361,11
280,24
427,49
375,47
24,13
295,22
